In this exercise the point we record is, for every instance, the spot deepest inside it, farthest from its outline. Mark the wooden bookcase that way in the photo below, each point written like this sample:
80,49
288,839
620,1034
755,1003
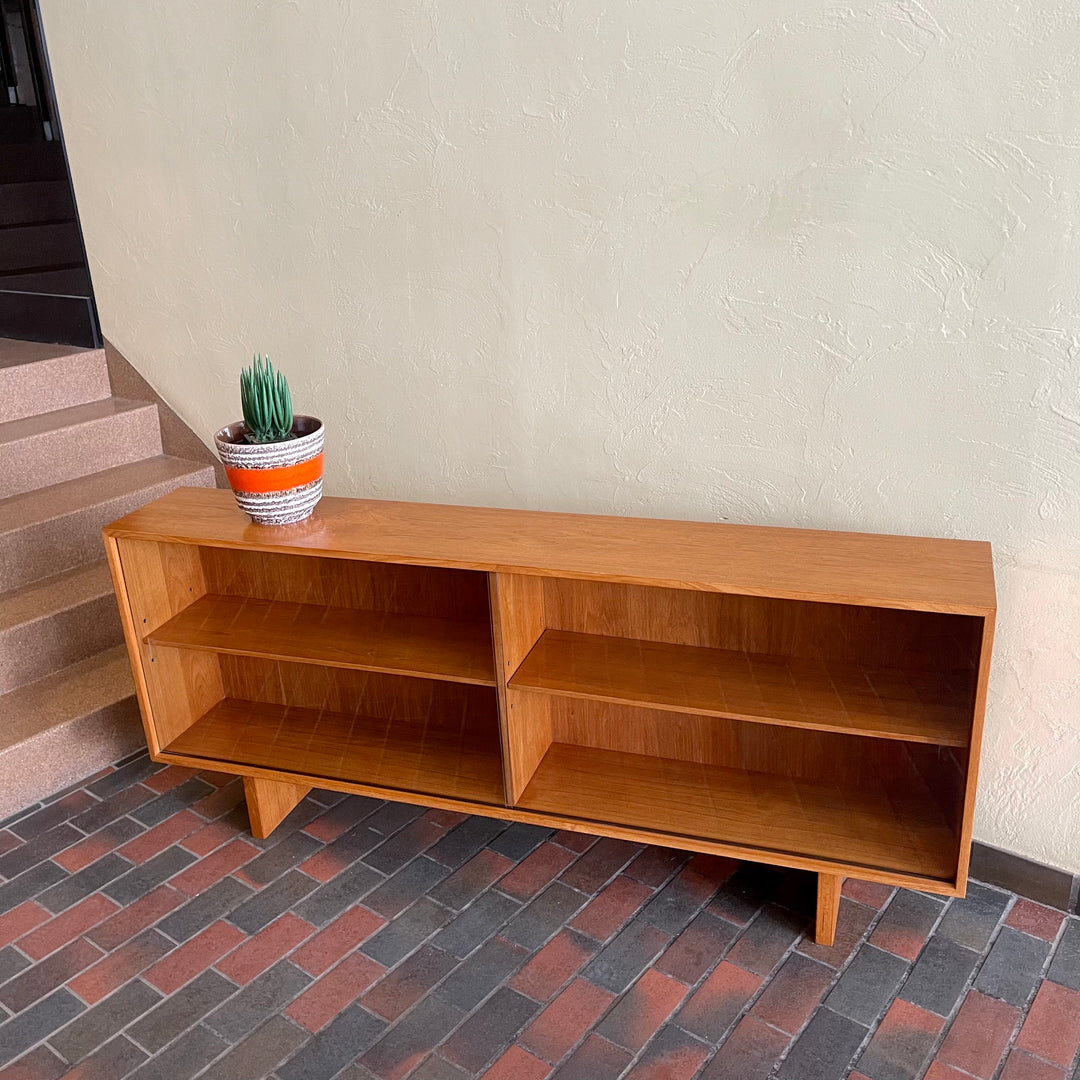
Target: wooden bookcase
808,699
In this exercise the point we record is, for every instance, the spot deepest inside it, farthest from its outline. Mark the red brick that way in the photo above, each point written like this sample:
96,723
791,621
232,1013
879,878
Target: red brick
119,966
91,849
903,1041
267,946
575,841
851,925
793,993
168,778
40,1064
409,982
1022,1066
128,921
534,872
697,948
35,982
21,920
748,1053
202,874
325,864
602,916
872,893
1041,922
219,802
161,836
566,1020
217,779
937,1071
516,1064
193,957
339,987
672,1055
8,841
59,931
556,962
718,1000
328,946
977,1039
445,819
642,1010
1052,1027
210,837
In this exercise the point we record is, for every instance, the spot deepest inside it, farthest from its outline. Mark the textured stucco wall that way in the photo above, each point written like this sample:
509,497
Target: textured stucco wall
781,261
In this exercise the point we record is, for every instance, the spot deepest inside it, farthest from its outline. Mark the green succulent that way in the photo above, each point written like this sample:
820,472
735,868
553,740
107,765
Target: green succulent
267,405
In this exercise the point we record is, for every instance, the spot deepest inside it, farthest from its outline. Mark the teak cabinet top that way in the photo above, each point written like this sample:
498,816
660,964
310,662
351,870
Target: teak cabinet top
920,573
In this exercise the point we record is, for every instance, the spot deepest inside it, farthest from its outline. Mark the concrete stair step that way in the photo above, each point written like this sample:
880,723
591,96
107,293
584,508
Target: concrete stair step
68,281
36,378
56,622
38,451
33,247
36,200
65,726
56,528
20,162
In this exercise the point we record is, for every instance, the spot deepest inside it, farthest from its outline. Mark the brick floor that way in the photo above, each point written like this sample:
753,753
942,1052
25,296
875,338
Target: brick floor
144,932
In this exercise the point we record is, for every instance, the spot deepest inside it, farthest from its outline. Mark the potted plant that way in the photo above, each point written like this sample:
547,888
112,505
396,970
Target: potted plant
274,460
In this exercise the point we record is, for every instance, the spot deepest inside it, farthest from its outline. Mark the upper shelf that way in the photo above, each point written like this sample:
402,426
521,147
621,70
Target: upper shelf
923,574
914,706
335,637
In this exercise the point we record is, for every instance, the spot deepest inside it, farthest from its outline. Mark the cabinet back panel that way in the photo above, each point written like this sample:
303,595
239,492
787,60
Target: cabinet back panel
875,637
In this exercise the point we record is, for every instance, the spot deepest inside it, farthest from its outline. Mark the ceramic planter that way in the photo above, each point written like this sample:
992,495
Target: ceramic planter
276,483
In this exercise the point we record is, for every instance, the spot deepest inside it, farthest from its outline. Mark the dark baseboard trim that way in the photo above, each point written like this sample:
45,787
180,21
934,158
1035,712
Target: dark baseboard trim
1044,884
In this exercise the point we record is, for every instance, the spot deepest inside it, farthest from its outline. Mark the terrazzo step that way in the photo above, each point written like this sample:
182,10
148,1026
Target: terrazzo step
56,528
35,246
65,726
35,200
38,451
37,378
56,622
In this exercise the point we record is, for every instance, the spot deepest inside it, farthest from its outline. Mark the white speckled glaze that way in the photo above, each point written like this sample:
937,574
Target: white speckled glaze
789,262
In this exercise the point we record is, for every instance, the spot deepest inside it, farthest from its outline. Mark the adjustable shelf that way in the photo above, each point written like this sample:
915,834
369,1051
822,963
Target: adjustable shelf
801,698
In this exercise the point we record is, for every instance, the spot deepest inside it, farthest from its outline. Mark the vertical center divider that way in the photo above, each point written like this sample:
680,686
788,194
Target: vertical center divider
517,621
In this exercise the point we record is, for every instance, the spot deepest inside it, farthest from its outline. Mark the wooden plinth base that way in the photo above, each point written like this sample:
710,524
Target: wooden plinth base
269,802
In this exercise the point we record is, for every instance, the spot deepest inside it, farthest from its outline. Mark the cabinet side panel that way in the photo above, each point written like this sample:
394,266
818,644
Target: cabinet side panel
517,621
160,580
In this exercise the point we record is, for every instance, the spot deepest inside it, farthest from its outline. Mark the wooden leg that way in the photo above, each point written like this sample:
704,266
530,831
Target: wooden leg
828,907
269,802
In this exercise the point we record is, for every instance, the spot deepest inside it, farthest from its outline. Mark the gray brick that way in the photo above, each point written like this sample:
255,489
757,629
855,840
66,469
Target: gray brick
186,1057
344,1039
595,1059
938,979
422,1029
544,915
764,942
199,912
35,820
487,968
868,985
29,884
178,1012
518,840
49,974
395,851
139,881
174,800
1065,967
32,1025
91,878
673,906
264,907
463,841
115,1059
435,1068
490,1029
116,806
348,812
751,887
274,861
824,1049
1013,967
39,1064
11,963
131,773
41,847
626,956
329,900
350,846
411,882
104,1020
970,921
260,1053
600,863
258,1001
392,816
408,931
476,923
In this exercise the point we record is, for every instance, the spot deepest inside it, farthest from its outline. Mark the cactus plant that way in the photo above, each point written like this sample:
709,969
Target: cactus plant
266,403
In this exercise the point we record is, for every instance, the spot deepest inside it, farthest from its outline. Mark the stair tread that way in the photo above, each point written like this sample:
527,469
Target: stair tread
72,416
48,503
65,695
61,592
13,353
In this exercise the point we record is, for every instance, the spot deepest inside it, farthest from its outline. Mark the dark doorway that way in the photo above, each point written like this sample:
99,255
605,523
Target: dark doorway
45,292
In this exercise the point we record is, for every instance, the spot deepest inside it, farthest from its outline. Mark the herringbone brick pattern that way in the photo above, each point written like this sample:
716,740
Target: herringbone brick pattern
145,933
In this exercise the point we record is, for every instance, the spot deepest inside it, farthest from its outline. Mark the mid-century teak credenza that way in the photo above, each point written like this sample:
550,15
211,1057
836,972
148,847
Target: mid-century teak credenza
807,699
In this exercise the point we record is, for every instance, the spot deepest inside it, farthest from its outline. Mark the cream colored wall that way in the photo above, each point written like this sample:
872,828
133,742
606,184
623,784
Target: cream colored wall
785,261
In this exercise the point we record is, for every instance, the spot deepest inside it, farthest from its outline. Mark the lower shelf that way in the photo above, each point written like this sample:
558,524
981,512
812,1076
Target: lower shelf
459,762
894,825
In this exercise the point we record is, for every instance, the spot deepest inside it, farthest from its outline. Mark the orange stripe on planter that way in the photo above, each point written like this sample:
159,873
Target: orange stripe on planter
281,478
